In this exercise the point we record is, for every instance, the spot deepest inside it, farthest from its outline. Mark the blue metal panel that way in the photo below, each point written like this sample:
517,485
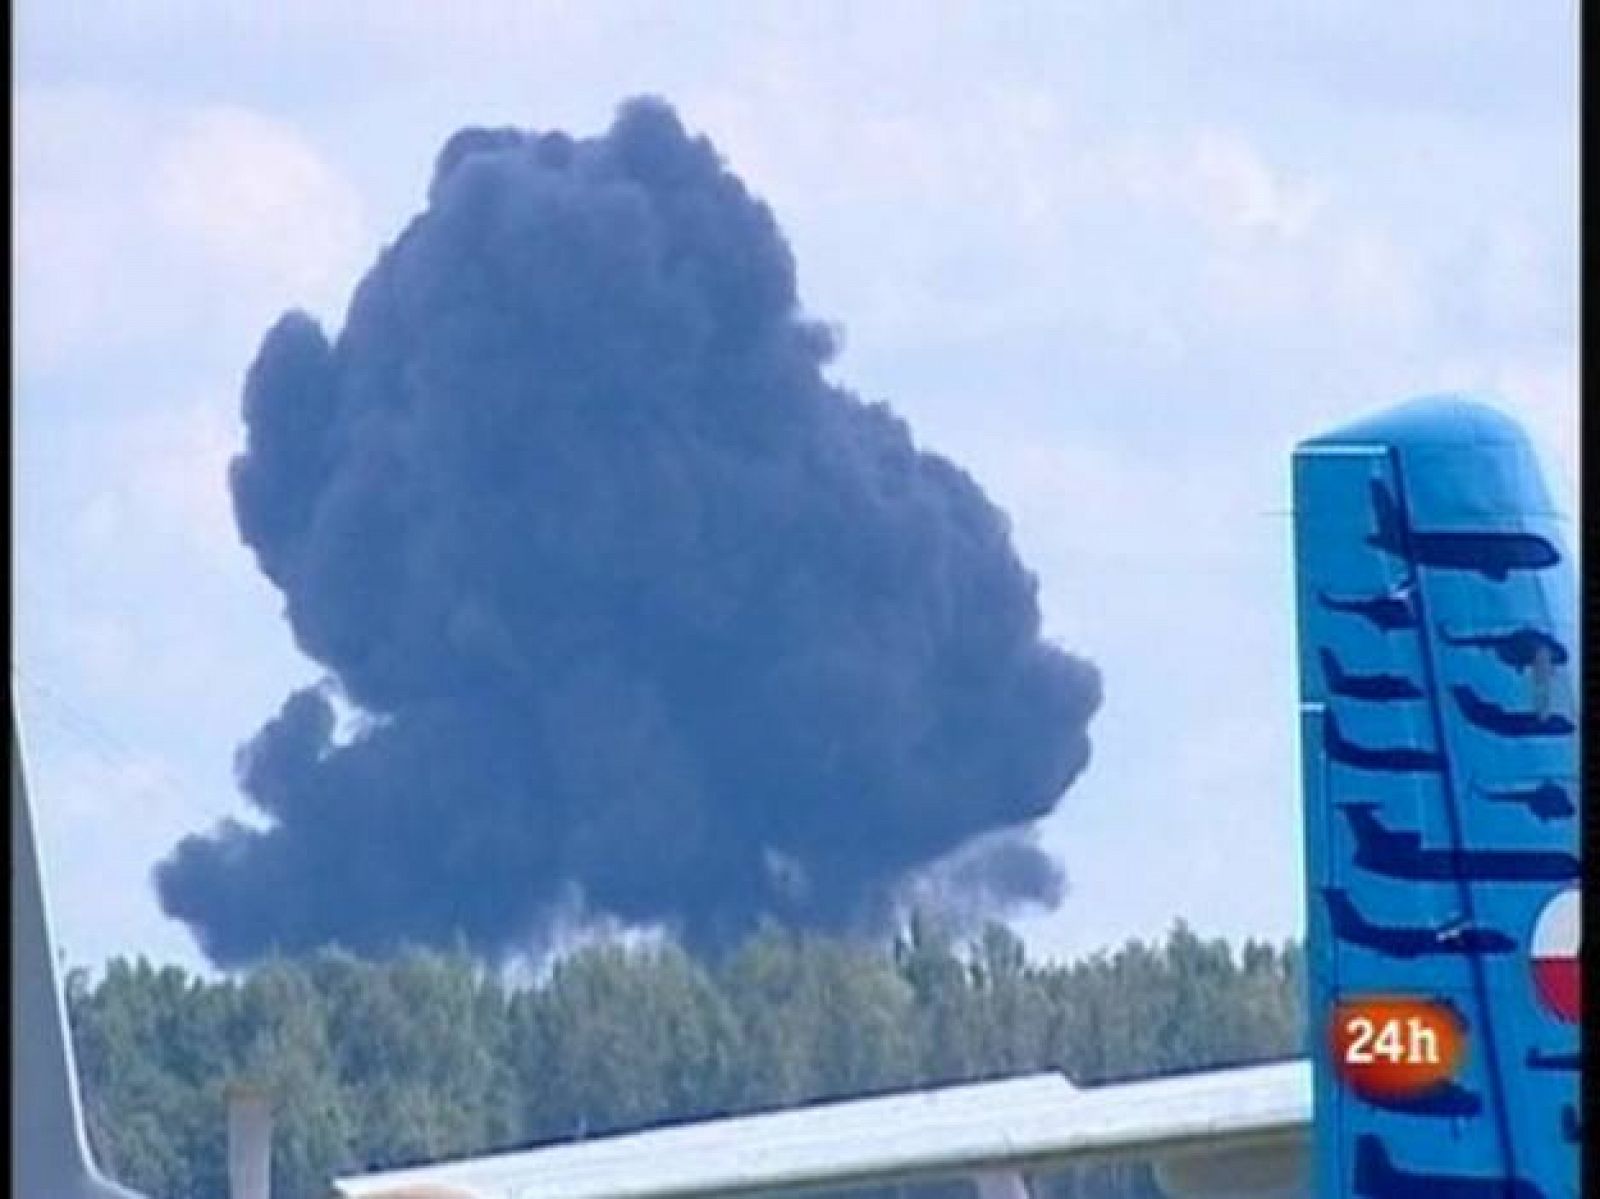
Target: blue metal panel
1437,649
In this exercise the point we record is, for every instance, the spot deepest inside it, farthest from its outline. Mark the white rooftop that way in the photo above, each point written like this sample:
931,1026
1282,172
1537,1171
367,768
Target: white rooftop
1035,1122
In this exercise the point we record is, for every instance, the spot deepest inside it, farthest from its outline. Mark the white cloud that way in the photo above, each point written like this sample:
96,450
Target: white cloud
71,214
162,483
1216,176
1369,275
140,221
1236,190
178,460
1095,499
250,193
1544,397
1273,247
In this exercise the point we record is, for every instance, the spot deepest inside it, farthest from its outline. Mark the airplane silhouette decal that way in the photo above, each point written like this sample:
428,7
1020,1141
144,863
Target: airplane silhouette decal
1519,648
1548,800
1395,759
1491,554
1374,688
1387,611
1504,722
1403,941
1400,854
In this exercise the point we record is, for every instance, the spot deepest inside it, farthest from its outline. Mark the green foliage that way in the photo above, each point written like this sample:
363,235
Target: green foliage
428,1055
618,1038
820,1019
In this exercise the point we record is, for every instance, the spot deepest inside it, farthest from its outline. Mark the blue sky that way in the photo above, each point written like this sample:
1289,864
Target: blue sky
1113,258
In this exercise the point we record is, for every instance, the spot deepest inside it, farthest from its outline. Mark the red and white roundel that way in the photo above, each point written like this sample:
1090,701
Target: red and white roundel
1555,954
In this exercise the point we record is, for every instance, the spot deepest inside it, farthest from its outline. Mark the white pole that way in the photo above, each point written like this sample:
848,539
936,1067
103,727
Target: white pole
249,1144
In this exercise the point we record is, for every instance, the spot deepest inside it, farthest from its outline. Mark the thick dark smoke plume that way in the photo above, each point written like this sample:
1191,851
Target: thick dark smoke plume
641,614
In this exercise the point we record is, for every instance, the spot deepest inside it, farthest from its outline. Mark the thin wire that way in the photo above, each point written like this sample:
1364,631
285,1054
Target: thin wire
109,750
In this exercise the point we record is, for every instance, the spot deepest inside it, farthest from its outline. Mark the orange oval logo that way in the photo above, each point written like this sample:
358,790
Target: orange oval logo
1393,1047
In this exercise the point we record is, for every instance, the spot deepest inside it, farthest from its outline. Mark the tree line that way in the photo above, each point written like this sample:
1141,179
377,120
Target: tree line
429,1055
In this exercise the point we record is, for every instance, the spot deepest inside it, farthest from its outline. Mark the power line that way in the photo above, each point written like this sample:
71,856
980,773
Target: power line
102,743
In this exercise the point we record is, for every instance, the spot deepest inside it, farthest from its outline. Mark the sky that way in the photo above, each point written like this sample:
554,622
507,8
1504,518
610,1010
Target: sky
1114,259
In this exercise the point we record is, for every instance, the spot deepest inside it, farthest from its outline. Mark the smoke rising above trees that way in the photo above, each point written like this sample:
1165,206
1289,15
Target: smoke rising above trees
645,618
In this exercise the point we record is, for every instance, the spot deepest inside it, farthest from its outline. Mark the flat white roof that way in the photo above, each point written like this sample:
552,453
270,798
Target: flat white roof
1034,1122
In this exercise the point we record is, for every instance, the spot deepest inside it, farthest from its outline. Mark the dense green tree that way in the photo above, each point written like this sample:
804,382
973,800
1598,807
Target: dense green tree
820,1018
621,1038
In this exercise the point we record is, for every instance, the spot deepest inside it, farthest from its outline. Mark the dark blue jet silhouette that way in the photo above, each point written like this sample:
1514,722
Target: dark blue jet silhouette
1492,554
1403,759
1518,648
1375,688
1402,941
1400,855
1506,722
1386,611
1546,801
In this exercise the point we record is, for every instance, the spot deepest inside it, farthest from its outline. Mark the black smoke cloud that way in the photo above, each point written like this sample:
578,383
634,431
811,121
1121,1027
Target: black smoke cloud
638,610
